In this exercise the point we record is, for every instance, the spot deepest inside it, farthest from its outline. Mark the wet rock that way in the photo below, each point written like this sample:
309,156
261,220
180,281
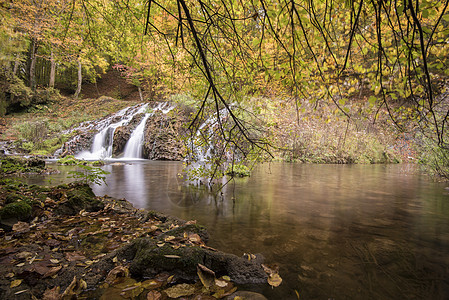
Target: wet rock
121,137
163,134
149,258
79,143
123,133
79,197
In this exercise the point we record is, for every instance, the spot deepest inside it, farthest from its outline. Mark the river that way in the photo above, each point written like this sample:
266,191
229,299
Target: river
336,231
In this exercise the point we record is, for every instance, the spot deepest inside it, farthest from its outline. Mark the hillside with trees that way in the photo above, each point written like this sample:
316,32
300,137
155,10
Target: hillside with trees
377,66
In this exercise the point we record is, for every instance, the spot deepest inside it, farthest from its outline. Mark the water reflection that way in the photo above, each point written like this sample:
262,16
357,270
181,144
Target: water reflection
343,232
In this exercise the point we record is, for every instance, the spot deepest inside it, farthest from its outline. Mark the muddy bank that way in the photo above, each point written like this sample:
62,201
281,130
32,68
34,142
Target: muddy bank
69,243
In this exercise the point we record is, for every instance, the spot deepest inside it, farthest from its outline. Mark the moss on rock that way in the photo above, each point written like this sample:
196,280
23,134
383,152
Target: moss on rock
19,210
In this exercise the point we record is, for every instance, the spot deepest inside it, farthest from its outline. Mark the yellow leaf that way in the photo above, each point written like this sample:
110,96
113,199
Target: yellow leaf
172,256
15,283
274,280
169,238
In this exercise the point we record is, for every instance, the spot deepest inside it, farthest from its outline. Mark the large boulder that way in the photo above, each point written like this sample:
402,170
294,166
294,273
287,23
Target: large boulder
163,137
123,133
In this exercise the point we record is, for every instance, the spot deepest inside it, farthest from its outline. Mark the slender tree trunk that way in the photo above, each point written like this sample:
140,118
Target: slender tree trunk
80,79
33,65
16,65
51,83
140,93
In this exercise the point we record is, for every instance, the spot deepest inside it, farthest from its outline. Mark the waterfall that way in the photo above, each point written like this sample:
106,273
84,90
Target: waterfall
134,146
203,148
102,144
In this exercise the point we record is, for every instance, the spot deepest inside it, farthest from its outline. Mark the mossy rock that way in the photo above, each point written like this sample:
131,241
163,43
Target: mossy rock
78,198
68,160
14,165
19,210
13,197
149,259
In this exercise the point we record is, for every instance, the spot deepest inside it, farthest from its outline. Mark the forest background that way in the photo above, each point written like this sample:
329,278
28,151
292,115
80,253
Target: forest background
329,81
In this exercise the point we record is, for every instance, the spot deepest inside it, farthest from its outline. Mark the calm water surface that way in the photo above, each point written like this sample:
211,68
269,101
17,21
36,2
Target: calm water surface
336,231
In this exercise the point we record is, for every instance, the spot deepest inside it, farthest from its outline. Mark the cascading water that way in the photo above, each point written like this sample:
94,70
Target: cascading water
133,148
202,147
103,141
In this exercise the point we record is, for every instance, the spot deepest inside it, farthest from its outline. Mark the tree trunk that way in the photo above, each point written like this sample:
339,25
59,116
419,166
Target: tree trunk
140,93
33,65
51,83
16,65
80,79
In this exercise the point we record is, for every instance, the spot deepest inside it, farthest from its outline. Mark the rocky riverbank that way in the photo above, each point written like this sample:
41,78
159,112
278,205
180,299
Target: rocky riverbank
64,242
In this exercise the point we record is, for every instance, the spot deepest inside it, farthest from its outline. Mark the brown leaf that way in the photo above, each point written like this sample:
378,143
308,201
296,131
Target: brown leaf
195,239
74,288
52,294
180,290
24,255
53,271
41,268
206,275
115,273
270,269
154,295
191,222
21,227
74,256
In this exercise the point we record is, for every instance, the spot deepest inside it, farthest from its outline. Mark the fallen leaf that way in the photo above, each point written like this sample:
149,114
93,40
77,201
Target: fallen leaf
24,255
191,222
9,275
74,256
115,273
53,271
274,280
132,292
206,275
195,239
180,290
172,256
41,268
20,292
151,284
15,283
74,288
220,283
52,294
169,238
21,227
270,269
154,295
54,261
